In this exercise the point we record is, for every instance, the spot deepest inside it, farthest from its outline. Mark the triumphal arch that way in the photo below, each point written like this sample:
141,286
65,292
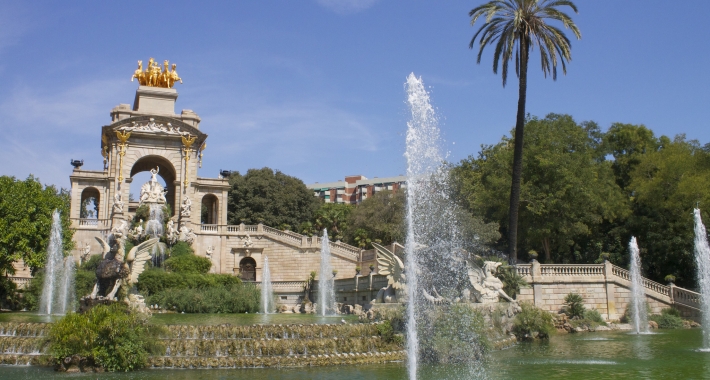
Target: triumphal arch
151,136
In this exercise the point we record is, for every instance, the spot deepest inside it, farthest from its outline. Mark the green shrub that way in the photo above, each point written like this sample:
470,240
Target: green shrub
594,315
388,334
92,263
84,282
668,319
155,280
107,336
629,313
188,264
512,281
454,334
575,305
234,299
9,295
183,260
32,294
532,322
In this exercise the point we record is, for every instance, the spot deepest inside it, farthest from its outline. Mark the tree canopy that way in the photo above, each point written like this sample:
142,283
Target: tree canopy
26,209
270,197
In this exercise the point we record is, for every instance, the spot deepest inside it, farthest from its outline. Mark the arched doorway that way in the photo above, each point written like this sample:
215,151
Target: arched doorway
90,198
210,209
247,269
166,171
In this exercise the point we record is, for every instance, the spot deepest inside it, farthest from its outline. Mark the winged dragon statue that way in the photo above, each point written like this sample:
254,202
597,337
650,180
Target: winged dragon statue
118,269
390,265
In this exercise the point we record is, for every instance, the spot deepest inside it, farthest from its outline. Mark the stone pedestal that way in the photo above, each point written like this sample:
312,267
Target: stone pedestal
155,100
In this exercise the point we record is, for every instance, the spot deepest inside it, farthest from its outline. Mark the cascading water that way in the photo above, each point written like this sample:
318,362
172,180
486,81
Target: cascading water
638,293
702,259
267,293
154,228
433,241
57,291
326,293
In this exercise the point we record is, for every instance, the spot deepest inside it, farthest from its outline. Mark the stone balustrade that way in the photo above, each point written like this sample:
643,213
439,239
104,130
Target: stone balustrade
605,287
90,223
287,237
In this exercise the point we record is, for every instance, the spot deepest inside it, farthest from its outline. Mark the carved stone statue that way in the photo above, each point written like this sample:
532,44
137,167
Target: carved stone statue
391,266
152,191
487,288
186,235
117,204
118,269
138,231
186,207
85,252
172,234
209,251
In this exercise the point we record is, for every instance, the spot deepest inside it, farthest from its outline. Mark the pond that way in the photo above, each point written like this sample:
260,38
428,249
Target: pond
609,355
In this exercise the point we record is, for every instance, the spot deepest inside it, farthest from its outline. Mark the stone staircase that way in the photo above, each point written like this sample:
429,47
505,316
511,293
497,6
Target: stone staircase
24,343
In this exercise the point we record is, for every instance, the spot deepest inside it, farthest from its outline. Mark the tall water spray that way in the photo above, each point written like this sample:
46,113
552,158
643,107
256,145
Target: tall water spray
326,292
57,291
702,259
433,261
267,292
154,229
638,293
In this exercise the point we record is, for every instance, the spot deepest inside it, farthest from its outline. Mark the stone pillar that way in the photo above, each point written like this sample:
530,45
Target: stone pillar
610,292
536,274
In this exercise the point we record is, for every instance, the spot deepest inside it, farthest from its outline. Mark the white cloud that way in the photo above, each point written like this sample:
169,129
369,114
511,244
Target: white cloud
347,6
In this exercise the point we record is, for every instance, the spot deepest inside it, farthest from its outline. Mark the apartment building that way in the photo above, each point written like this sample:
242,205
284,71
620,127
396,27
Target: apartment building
355,188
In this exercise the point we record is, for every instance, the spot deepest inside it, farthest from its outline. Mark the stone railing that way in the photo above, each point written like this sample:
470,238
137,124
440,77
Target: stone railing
685,297
572,270
90,223
288,237
648,284
209,228
285,286
21,282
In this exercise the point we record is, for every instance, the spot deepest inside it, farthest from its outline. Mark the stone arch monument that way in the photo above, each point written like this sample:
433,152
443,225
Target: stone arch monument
151,136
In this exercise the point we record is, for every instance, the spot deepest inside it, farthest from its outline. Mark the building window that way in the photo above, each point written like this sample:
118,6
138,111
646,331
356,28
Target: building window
364,298
284,297
345,298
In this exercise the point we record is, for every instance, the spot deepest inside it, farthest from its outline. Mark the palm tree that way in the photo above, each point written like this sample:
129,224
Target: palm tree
518,26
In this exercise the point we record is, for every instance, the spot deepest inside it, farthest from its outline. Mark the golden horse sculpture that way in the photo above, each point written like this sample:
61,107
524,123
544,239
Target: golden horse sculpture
154,77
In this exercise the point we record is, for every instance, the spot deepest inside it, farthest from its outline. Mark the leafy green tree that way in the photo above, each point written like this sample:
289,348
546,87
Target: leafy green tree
627,143
518,26
667,184
26,209
334,217
568,192
378,218
269,197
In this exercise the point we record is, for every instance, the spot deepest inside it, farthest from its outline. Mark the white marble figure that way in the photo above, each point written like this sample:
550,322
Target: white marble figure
138,231
117,204
186,235
85,252
210,251
186,207
172,234
153,127
248,244
152,191
487,288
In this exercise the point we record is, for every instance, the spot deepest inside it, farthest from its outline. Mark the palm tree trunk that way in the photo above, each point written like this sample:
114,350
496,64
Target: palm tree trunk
518,156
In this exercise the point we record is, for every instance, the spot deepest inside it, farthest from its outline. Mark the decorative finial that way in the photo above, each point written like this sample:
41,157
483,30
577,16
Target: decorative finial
154,77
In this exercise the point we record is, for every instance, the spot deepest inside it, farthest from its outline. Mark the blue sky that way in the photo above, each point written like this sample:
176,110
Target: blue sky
315,88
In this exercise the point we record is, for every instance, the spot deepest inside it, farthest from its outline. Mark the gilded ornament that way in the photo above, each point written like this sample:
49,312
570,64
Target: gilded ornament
153,76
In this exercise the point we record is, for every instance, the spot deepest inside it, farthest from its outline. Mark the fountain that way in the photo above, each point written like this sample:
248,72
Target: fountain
326,293
267,293
57,297
702,259
638,293
434,261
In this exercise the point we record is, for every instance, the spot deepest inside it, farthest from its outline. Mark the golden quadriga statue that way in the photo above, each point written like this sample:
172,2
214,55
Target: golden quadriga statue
154,77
